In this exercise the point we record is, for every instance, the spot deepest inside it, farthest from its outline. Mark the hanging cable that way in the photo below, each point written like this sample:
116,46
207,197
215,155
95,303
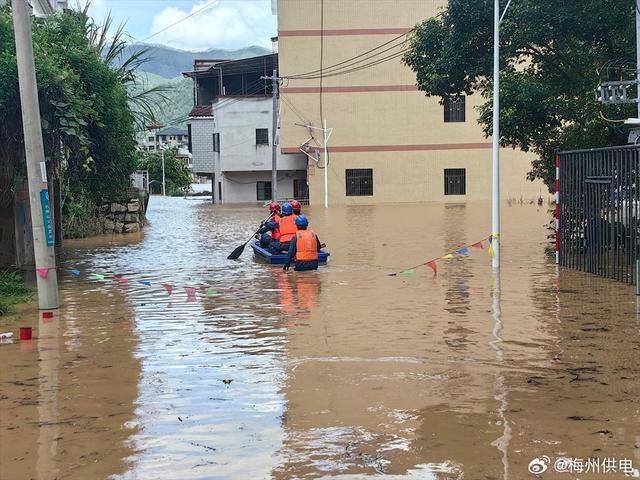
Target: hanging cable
192,14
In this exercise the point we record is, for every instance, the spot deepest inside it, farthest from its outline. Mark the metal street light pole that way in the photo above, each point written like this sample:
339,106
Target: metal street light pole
495,194
163,180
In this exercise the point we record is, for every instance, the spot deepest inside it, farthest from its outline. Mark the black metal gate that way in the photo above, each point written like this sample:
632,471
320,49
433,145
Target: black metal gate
599,211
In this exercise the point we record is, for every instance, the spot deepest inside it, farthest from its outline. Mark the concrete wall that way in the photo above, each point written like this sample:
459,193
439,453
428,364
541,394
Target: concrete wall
379,118
202,144
237,123
240,187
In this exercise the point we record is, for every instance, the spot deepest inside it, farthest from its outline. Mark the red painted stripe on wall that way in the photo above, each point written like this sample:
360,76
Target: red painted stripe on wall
343,31
352,89
397,148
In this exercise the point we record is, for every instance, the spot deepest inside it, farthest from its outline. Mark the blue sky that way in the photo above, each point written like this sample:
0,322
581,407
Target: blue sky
226,24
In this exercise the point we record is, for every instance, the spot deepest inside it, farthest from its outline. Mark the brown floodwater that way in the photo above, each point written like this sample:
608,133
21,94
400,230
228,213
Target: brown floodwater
343,373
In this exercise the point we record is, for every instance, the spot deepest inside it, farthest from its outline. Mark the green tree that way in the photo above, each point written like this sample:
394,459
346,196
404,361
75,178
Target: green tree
551,53
177,175
89,117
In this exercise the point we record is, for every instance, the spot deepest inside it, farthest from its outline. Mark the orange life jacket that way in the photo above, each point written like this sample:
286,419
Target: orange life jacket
275,235
287,228
306,246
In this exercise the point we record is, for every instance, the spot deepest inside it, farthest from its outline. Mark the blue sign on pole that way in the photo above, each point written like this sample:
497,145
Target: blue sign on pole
46,216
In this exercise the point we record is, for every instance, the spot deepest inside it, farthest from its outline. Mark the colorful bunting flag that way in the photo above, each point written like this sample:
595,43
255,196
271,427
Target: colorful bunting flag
211,292
43,272
97,276
145,283
448,256
490,250
121,279
478,245
408,273
433,266
73,272
462,251
191,293
168,287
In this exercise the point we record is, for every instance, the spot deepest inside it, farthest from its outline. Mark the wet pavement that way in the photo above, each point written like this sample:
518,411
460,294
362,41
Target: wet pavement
342,373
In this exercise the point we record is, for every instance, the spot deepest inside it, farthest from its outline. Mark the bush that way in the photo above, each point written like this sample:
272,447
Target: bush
12,290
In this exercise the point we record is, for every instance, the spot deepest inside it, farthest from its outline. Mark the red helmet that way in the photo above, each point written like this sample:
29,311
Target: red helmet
274,207
295,204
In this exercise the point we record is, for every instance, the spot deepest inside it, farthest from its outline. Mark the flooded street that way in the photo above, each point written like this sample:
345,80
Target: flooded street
341,373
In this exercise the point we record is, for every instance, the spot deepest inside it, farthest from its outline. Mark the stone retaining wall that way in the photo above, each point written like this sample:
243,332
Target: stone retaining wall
123,217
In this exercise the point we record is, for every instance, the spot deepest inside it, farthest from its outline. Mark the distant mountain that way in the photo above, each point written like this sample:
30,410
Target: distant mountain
169,62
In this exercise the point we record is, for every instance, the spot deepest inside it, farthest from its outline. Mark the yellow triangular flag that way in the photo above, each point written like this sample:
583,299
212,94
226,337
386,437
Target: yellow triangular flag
448,256
490,250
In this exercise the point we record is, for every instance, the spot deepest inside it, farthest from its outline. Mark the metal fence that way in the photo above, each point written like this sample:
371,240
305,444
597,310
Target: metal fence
598,209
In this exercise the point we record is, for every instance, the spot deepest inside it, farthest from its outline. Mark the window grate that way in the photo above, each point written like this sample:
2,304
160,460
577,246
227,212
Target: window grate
359,182
300,189
263,191
455,181
262,136
454,109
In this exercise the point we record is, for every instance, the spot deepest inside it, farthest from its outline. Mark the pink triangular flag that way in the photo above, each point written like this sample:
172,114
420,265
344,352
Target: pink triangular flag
191,293
478,245
43,272
433,266
169,288
121,279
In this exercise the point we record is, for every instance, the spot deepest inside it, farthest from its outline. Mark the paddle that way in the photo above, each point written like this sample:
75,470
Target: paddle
238,251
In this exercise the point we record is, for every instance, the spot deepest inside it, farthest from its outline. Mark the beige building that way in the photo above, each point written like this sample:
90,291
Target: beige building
389,143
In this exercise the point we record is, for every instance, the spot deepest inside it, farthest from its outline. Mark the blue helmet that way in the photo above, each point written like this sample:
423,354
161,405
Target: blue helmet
287,209
301,221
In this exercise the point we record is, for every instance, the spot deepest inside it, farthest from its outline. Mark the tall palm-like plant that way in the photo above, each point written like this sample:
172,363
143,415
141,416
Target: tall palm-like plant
145,102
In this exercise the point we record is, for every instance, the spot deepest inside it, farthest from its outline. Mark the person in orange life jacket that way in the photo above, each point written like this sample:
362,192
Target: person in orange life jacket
286,227
304,248
295,204
267,232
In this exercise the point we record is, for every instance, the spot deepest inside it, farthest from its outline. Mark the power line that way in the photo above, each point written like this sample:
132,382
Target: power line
350,60
321,53
192,14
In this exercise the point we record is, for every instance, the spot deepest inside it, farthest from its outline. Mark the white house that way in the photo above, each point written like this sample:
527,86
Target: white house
230,131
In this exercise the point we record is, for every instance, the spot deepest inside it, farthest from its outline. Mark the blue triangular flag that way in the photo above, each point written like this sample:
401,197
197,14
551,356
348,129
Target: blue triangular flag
144,282
462,251
73,271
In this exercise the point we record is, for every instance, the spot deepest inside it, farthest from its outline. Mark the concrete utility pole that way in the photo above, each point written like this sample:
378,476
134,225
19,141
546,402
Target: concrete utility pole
43,235
274,134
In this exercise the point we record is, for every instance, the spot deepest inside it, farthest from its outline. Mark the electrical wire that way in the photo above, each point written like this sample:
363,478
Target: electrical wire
321,54
192,14
350,62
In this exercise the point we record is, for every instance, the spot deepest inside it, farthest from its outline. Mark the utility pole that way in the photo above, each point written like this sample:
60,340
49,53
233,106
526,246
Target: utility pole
274,132
42,226
326,163
163,182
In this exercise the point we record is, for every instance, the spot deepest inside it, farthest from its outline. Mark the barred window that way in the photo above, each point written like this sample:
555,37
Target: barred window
263,191
262,136
455,182
216,142
359,181
454,109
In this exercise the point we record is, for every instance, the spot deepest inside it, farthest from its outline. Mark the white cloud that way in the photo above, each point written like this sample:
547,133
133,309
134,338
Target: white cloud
228,24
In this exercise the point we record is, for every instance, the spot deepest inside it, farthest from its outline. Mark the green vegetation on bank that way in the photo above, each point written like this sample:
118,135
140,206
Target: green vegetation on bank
12,291
551,56
89,115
